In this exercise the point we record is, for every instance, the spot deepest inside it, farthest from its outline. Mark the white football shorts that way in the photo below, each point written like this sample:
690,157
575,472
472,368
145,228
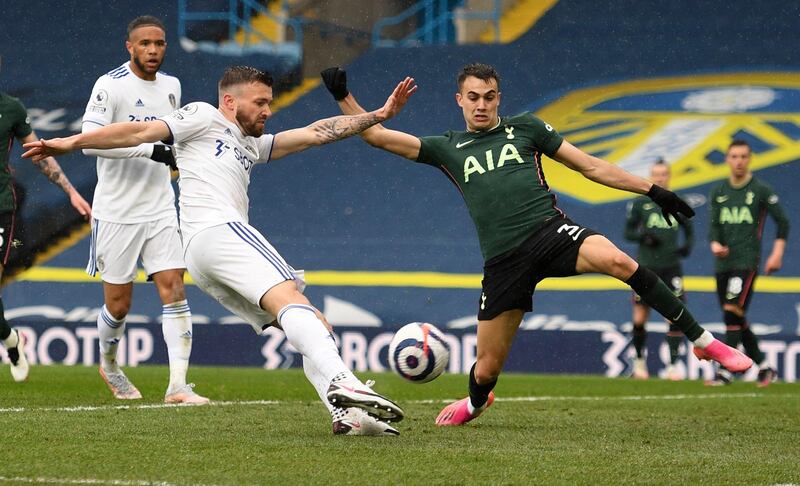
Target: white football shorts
115,249
236,265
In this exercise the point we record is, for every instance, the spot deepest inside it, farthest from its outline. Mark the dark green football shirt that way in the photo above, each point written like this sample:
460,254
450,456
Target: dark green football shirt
737,221
499,173
644,216
14,123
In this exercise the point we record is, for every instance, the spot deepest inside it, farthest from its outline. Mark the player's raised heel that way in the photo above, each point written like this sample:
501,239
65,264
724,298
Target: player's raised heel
120,385
19,362
732,359
359,422
457,413
185,395
348,394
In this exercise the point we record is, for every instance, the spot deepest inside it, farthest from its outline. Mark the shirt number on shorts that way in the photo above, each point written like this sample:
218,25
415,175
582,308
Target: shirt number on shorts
573,230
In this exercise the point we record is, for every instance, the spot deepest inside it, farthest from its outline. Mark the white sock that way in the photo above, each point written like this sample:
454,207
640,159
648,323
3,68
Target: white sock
110,331
704,340
319,382
176,325
12,340
311,338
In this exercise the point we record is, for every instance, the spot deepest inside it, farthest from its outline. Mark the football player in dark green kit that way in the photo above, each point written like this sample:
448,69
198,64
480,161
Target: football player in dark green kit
739,208
660,250
524,236
14,123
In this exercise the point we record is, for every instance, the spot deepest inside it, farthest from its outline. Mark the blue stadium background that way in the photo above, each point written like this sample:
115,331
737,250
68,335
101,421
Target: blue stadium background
352,208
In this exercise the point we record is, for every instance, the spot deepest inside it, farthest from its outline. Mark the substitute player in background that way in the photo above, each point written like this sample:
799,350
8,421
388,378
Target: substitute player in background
739,208
660,250
135,214
524,236
14,123
231,260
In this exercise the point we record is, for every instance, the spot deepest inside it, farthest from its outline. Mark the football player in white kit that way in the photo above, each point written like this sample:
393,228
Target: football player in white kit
216,148
135,214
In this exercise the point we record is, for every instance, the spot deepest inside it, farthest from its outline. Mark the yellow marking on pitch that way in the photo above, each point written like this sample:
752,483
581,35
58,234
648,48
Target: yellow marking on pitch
438,280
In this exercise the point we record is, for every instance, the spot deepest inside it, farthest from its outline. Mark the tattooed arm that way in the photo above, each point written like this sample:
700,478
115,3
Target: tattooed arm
50,168
332,129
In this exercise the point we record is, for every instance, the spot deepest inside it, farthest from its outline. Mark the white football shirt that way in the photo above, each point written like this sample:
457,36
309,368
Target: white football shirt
215,160
130,187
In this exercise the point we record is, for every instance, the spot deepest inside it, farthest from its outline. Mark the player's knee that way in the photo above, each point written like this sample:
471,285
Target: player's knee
621,265
118,308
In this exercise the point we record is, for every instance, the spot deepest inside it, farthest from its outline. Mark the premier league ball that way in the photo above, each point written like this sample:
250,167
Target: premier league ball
418,352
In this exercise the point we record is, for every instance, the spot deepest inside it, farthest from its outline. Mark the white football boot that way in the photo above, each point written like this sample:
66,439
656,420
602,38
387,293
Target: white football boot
358,422
185,395
353,393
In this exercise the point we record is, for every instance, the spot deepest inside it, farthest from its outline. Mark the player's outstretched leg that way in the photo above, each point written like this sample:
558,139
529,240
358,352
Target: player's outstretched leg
658,296
15,347
308,334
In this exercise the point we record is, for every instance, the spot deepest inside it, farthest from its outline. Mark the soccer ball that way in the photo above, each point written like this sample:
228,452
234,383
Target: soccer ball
418,352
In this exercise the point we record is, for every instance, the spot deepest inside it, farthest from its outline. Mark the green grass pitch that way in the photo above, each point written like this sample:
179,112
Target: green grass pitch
63,427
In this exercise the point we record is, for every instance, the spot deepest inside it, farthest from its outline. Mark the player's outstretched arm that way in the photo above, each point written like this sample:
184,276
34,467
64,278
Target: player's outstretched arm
602,172
116,135
52,170
332,129
394,141
154,151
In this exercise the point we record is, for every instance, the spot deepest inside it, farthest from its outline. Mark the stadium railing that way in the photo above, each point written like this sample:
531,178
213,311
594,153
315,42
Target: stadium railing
238,15
438,20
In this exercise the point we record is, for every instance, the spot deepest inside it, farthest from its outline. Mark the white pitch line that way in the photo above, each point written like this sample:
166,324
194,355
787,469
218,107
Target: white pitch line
112,482
704,396
147,406
157,406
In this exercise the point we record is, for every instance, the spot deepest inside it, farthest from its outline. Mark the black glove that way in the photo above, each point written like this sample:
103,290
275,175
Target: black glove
336,81
683,251
670,203
165,155
649,239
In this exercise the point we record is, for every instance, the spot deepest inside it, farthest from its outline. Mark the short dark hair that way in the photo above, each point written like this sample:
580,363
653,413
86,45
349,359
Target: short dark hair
142,21
738,142
243,75
480,71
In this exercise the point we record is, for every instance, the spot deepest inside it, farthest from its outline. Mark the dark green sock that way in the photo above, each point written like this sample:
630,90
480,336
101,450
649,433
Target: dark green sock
674,339
658,296
733,328
751,347
5,329
639,336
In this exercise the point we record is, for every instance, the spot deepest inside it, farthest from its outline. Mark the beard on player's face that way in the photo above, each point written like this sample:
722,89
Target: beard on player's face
142,62
252,124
